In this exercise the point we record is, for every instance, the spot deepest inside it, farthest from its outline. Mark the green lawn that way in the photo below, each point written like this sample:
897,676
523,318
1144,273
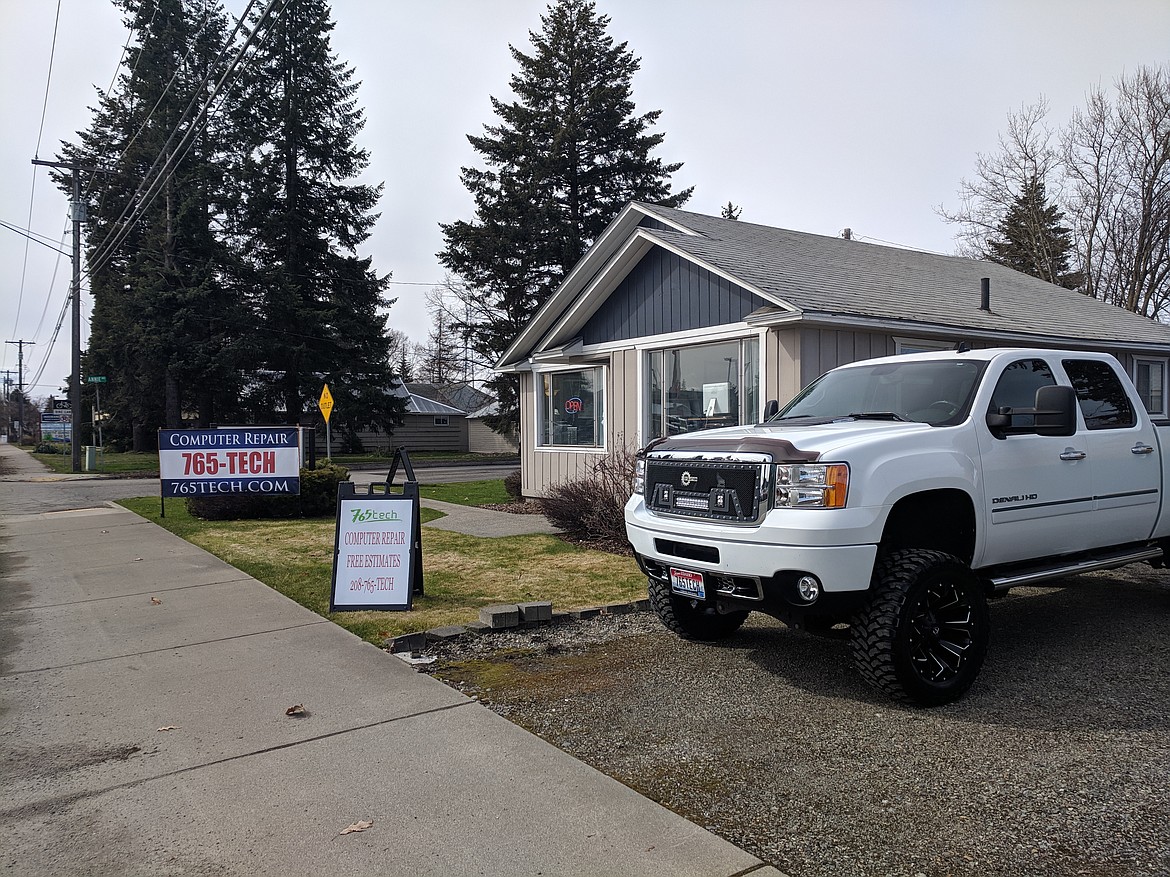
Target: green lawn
109,463
146,465
461,573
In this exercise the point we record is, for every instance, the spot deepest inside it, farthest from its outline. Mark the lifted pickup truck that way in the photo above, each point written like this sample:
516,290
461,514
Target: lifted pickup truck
898,495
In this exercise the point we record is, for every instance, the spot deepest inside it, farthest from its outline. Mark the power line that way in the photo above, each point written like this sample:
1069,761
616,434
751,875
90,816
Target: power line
156,177
35,238
33,187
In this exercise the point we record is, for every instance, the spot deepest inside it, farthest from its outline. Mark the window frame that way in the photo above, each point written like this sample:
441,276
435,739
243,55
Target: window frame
1161,362
646,401
920,345
442,420
539,405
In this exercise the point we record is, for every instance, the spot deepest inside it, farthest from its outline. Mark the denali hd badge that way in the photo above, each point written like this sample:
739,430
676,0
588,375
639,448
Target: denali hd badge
1027,497
687,479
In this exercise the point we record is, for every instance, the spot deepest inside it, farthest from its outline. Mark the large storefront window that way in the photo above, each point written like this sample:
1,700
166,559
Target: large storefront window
703,387
573,409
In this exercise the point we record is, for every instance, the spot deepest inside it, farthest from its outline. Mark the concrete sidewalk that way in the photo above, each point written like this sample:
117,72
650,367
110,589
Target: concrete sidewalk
143,690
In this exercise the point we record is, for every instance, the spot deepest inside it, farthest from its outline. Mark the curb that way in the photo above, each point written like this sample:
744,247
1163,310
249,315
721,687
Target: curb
504,617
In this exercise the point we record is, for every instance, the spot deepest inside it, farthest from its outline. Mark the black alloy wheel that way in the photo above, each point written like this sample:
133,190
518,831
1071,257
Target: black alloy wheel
922,636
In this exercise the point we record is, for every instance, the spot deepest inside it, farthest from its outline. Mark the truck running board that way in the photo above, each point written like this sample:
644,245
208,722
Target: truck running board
1033,575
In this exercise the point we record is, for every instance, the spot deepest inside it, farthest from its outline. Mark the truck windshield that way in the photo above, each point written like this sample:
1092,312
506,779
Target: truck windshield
934,391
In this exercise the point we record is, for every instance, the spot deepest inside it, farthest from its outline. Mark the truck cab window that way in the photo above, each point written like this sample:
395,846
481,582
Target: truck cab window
1104,401
1018,384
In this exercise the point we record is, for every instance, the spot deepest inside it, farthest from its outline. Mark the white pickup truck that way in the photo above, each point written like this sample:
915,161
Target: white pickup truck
899,494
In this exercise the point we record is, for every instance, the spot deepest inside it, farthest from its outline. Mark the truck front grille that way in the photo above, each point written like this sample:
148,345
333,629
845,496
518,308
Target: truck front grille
717,490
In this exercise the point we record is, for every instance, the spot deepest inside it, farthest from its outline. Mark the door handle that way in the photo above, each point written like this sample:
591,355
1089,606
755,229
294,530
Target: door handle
1141,448
1070,455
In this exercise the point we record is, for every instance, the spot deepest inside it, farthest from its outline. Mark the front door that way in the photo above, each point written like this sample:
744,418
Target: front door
1037,490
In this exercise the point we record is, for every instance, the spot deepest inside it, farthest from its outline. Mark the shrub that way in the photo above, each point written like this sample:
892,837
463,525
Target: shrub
50,448
593,507
317,499
513,486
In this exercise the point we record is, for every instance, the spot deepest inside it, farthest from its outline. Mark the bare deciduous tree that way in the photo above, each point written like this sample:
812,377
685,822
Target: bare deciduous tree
1028,154
1117,161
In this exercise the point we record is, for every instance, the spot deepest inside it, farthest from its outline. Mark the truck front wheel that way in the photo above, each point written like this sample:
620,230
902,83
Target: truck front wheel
922,635
692,619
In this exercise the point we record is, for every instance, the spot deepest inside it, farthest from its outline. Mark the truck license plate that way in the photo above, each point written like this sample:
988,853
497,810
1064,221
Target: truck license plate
687,584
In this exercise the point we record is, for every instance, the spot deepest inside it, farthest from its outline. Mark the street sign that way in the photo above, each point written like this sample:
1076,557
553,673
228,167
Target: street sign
96,379
325,403
61,405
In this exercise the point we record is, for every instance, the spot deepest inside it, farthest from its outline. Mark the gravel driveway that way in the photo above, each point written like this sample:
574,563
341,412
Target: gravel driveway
1056,763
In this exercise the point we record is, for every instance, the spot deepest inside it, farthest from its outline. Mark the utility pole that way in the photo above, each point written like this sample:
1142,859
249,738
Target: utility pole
7,398
77,215
20,382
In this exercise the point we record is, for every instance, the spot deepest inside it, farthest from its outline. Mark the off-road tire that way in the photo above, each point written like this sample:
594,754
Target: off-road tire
922,635
692,619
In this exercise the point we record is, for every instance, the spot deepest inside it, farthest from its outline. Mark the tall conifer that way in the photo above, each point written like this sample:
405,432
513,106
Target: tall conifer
165,323
565,156
299,221
1033,239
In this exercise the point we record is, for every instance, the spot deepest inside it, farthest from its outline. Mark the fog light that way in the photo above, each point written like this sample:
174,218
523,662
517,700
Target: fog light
808,588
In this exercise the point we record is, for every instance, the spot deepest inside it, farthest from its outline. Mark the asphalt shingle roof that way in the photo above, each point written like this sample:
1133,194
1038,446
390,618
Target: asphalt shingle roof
822,275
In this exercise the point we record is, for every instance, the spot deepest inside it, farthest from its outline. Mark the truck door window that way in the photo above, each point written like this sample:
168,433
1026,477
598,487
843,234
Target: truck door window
1018,384
1104,402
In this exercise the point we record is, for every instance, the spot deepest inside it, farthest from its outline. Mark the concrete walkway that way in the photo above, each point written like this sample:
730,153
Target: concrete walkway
143,730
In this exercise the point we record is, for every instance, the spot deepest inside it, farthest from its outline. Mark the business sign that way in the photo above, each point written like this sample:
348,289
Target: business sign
56,429
374,551
230,460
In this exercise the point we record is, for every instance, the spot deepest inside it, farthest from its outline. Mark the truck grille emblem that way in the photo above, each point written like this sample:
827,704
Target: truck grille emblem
687,479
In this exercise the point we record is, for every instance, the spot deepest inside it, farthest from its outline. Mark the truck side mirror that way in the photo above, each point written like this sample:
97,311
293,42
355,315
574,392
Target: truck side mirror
1056,411
1054,414
771,409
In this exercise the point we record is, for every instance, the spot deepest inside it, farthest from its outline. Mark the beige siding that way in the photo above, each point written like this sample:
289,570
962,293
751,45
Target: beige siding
482,439
624,427
823,349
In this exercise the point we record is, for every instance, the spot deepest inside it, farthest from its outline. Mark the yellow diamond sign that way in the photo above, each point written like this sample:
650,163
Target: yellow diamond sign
325,403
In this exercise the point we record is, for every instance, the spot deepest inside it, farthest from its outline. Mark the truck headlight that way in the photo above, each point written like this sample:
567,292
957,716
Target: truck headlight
640,477
812,486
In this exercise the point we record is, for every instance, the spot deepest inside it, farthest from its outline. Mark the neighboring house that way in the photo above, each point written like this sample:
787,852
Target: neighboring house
482,439
427,425
443,417
675,321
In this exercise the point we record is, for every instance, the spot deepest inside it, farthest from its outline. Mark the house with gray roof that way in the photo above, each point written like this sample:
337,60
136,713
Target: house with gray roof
675,321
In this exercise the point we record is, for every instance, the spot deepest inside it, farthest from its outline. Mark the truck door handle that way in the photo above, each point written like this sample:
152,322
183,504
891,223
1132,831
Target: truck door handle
1069,455
1141,448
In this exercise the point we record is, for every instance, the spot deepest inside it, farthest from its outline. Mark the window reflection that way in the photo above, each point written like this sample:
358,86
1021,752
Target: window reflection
703,387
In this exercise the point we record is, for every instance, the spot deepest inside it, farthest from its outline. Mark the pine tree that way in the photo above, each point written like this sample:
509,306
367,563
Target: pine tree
165,324
299,222
561,162
1032,238
731,211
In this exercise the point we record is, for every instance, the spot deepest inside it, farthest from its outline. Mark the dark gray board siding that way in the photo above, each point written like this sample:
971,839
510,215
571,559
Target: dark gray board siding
666,293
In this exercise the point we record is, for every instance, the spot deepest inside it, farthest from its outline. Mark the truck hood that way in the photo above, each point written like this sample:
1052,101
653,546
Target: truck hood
787,442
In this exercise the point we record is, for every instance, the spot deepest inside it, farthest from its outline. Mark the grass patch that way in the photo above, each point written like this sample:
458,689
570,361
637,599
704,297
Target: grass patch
461,573
108,463
468,492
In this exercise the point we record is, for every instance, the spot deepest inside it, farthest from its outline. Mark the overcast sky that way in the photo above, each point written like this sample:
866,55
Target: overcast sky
813,116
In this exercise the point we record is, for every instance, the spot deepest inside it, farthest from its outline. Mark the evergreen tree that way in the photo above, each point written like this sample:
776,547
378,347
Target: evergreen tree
730,211
561,162
165,323
1033,239
299,221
